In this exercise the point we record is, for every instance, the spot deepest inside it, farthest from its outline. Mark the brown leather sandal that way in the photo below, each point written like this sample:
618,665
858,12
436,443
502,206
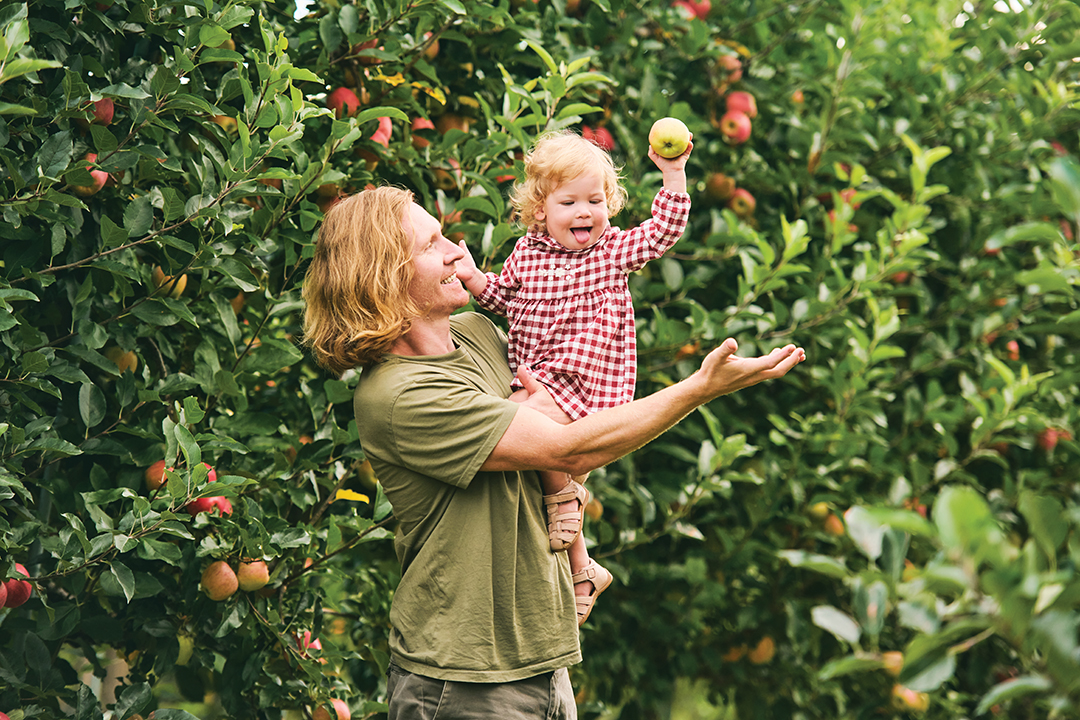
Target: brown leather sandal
564,527
600,578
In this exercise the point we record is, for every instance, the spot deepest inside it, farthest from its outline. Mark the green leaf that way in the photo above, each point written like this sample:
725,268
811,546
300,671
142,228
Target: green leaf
544,55
837,622
132,700
906,520
138,216
54,445
123,90
188,446
932,676
337,392
846,666
124,578
112,235
271,356
1065,186
382,111
865,530
24,66
55,154
155,312
1045,518
91,405
818,563
965,524
173,714
192,412
1012,689
597,78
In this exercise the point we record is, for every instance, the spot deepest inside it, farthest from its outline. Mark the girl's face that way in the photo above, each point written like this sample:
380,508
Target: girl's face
575,212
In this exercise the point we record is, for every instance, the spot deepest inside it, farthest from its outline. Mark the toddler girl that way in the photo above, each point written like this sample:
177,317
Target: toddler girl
565,293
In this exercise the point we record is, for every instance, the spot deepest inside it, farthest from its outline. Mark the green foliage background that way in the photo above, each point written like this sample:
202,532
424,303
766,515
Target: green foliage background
937,306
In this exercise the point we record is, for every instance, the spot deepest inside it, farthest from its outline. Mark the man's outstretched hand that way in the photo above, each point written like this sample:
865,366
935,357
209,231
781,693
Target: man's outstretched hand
725,372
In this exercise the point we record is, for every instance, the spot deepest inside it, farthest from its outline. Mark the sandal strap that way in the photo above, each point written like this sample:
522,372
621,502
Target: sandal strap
584,603
573,490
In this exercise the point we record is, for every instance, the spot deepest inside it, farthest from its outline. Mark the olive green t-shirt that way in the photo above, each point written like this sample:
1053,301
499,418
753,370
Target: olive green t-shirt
482,598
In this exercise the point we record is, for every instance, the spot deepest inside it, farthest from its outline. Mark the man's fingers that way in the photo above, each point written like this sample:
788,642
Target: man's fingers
784,359
726,349
528,382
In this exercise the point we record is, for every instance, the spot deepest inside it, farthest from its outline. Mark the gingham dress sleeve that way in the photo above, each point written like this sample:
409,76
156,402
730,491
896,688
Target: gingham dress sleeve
500,288
652,238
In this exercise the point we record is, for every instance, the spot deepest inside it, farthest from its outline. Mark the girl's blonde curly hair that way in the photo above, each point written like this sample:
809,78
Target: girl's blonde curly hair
556,158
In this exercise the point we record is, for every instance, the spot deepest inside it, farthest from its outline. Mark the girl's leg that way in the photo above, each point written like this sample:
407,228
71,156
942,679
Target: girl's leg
589,578
564,501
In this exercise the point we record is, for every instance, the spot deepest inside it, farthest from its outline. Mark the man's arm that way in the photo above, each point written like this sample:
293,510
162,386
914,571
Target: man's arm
534,441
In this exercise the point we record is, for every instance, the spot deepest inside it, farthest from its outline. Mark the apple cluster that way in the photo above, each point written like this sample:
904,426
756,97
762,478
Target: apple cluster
155,478
220,581
722,188
735,124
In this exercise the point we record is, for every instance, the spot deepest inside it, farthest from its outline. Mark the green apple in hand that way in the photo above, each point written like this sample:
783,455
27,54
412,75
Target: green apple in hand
669,137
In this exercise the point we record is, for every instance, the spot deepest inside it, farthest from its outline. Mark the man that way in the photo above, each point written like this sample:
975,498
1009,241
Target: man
483,621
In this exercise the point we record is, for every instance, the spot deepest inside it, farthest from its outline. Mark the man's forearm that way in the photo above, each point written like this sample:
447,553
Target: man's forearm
536,442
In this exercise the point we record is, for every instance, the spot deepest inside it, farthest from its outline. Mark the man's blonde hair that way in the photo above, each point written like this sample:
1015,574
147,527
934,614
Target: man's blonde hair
357,287
556,158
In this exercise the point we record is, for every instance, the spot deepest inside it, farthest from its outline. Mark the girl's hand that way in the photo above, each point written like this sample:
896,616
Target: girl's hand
675,164
674,169
468,273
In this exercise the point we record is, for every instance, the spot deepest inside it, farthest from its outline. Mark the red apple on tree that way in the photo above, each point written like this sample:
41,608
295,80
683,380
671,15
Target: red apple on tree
735,126
371,44
451,121
173,290
155,475
382,133
742,203
18,590
1048,438
720,187
341,711
252,575
219,581
448,179
305,643
694,8
100,177
601,137
732,65
418,141
103,111
432,50
743,102
124,359
343,102
209,504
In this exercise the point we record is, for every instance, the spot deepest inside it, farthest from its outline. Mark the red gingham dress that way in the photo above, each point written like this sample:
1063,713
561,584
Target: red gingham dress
570,312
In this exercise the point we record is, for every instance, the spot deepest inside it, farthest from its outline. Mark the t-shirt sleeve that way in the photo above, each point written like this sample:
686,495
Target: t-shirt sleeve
446,429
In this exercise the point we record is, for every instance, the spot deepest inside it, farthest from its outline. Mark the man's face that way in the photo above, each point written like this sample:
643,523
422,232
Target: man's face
435,288
575,212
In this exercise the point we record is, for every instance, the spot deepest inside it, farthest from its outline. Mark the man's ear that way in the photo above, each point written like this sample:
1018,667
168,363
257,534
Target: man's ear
540,214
